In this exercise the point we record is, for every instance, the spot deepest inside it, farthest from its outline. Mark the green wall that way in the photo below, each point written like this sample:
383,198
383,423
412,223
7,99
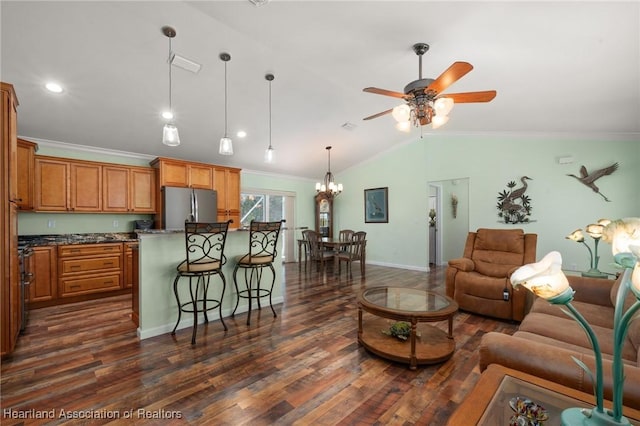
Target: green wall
560,203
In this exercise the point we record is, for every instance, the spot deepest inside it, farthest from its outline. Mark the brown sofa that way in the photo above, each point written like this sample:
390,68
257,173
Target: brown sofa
547,338
478,280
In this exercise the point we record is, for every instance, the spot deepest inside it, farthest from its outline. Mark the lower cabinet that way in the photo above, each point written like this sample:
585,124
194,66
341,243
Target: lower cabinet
44,267
89,268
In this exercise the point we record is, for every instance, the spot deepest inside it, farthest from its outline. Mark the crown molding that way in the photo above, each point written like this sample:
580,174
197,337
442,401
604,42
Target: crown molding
90,149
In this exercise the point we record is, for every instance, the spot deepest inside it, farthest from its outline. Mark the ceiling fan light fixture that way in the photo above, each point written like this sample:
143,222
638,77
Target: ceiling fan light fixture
403,126
439,120
443,106
401,113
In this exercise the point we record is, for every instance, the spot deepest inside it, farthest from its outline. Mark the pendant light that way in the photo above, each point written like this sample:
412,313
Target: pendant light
226,144
170,135
270,153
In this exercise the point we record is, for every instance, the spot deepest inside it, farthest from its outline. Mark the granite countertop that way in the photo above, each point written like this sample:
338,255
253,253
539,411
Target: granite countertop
63,239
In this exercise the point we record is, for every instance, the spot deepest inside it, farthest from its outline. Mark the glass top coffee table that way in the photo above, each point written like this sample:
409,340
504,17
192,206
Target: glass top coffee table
381,307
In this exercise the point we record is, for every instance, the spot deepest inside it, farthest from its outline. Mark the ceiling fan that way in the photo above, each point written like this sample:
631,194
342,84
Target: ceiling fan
425,102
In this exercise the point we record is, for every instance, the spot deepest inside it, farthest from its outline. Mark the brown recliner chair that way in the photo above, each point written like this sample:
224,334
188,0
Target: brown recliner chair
479,281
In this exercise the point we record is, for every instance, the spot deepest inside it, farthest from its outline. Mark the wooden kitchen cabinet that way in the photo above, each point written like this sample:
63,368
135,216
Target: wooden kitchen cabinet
26,175
51,187
43,286
183,174
227,184
128,272
10,294
85,187
89,268
128,189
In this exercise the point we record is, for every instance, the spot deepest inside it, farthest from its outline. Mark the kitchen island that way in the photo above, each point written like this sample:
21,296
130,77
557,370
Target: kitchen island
160,252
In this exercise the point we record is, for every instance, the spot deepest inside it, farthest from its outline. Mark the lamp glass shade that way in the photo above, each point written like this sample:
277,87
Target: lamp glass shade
443,106
544,278
270,155
339,187
576,236
622,234
438,121
594,230
401,113
226,146
170,135
403,126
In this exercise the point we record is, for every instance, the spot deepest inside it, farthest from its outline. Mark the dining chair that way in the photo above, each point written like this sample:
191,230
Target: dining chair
204,243
346,235
263,245
353,252
319,255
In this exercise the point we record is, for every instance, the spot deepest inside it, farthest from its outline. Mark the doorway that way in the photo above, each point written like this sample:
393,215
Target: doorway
271,206
447,237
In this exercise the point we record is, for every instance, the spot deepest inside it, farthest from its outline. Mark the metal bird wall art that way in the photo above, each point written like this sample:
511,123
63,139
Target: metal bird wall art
589,179
514,206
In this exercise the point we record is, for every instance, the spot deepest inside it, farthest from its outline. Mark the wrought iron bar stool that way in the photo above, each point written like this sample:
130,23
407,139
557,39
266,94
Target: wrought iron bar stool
205,257
263,244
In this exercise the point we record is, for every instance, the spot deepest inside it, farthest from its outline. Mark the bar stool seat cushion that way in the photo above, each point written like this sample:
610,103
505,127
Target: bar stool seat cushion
198,267
254,260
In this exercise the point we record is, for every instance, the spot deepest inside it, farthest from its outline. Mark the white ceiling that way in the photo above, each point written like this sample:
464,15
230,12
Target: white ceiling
558,67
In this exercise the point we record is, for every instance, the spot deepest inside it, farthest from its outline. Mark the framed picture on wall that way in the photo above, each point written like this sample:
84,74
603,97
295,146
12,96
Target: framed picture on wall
376,205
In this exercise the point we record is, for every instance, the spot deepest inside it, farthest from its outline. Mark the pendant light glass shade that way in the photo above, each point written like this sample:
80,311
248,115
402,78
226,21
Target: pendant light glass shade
170,135
226,144
270,153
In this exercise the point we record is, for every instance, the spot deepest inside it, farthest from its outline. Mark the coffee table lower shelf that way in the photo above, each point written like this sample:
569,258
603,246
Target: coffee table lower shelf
432,344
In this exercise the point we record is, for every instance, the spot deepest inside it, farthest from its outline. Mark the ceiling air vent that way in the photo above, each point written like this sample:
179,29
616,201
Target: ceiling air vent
259,2
185,64
348,126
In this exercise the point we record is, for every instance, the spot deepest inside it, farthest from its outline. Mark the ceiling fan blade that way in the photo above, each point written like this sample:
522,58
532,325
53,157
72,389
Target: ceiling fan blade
378,114
384,92
468,97
452,74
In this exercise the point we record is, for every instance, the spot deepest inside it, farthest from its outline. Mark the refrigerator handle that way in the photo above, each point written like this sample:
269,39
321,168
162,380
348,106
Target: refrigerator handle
195,205
192,209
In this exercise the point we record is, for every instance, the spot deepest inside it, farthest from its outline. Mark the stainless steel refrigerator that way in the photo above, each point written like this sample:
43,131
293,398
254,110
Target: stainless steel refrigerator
186,204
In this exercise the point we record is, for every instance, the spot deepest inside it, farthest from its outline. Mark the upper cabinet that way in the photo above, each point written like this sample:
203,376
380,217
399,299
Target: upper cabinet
183,174
226,182
186,174
128,189
85,186
51,189
26,175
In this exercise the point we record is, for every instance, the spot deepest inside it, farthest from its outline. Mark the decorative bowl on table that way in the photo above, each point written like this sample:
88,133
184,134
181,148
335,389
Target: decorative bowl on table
527,412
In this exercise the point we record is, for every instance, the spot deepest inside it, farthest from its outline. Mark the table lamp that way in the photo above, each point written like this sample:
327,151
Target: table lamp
546,279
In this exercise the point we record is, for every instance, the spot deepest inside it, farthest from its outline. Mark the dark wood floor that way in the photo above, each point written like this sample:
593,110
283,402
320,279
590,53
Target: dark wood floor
303,367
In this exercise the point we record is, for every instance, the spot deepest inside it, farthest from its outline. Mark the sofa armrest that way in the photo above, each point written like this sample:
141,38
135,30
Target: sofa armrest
596,291
463,264
555,364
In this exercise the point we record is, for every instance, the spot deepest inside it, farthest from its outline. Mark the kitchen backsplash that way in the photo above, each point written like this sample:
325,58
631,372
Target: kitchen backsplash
72,223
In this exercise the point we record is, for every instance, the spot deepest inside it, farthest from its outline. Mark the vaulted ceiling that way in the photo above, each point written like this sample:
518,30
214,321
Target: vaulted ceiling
560,68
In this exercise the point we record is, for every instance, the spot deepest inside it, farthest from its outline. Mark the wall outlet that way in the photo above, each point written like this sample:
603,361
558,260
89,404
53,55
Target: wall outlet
115,224
572,267
51,223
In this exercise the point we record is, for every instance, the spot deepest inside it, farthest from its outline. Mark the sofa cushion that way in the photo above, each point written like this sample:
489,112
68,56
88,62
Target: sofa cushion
568,331
594,314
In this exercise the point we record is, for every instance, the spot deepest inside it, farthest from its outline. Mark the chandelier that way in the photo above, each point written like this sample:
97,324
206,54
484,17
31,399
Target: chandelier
329,187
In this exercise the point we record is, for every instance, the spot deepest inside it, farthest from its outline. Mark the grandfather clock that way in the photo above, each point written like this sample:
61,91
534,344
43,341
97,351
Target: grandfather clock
324,214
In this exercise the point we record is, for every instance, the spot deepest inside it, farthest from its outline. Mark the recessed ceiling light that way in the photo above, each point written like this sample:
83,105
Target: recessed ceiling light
53,87
167,114
241,134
